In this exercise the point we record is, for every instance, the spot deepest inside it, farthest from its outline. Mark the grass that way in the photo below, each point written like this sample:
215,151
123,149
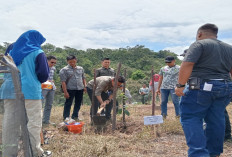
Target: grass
137,140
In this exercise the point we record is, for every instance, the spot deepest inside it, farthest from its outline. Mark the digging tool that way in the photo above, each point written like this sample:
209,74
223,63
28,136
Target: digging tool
99,119
99,111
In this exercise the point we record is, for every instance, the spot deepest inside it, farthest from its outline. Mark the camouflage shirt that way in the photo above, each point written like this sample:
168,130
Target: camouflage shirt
170,76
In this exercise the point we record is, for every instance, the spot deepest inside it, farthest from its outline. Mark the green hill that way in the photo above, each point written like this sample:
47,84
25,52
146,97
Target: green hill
137,60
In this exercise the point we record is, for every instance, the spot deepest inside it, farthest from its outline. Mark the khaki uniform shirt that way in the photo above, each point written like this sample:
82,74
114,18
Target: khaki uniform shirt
103,84
105,72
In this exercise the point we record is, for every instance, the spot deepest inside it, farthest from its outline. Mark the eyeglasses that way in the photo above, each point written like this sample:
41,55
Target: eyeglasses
53,62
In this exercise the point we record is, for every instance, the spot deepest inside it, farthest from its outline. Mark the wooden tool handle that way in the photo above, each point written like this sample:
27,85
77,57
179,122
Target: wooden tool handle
99,111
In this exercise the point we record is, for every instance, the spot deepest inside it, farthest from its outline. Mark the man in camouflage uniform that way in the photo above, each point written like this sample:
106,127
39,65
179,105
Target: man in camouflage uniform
167,83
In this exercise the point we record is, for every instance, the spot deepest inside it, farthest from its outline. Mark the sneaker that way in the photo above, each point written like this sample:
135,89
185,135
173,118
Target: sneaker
46,154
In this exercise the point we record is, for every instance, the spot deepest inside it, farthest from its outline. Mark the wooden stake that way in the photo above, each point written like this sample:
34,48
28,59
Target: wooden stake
124,101
153,100
153,92
93,93
114,97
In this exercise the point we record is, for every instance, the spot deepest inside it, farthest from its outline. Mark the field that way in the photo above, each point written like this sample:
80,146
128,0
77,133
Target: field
136,140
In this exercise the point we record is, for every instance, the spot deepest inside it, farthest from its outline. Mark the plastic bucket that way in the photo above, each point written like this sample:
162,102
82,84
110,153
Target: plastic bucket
75,128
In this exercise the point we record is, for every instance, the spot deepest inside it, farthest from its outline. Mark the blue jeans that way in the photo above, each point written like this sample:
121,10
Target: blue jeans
175,99
48,97
197,105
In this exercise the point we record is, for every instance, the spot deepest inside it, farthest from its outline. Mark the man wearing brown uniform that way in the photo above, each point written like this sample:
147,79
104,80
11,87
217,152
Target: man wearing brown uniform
105,70
103,84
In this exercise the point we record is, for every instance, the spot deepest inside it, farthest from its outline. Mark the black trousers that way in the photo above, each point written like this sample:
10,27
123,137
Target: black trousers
104,97
78,95
228,126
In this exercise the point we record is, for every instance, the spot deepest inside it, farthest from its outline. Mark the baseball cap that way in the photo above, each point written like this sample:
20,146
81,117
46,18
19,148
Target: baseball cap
169,59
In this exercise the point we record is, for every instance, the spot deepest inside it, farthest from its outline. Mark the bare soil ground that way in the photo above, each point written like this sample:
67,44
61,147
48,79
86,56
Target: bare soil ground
136,140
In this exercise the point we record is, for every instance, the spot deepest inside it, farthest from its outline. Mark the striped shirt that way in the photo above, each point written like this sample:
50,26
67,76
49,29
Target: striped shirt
51,74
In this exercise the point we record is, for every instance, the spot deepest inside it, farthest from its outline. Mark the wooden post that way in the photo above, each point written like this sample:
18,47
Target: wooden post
93,93
114,97
153,92
153,100
124,101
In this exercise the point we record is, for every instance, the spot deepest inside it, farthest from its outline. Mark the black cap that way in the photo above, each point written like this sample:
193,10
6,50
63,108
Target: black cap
106,58
183,54
169,59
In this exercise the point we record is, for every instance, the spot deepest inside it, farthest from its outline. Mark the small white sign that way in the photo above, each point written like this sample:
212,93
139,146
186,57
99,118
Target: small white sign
150,120
207,87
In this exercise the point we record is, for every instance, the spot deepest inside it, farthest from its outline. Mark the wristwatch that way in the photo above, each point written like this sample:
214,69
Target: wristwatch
178,85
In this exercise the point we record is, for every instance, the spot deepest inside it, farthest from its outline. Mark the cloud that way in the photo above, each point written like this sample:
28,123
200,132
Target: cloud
114,24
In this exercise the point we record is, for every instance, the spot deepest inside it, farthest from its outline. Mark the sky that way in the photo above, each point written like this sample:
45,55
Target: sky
82,24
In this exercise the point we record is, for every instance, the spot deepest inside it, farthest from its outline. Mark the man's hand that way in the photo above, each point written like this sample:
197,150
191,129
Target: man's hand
85,90
66,95
103,104
179,91
158,91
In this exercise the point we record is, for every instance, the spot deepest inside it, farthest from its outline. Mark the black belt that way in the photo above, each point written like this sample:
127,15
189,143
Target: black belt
208,80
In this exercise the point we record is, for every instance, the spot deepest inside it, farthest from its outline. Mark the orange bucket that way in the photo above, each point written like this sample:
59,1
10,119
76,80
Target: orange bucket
75,128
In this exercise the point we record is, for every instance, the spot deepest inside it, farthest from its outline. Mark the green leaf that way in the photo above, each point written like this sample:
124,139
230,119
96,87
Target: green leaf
127,112
120,111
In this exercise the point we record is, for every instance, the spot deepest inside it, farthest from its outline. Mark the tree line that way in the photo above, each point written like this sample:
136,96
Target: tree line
137,60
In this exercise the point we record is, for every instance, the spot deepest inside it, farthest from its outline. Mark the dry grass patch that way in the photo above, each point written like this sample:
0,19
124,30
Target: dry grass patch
136,140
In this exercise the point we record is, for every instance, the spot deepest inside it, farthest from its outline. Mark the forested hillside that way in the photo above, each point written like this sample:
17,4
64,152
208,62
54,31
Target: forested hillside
137,60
